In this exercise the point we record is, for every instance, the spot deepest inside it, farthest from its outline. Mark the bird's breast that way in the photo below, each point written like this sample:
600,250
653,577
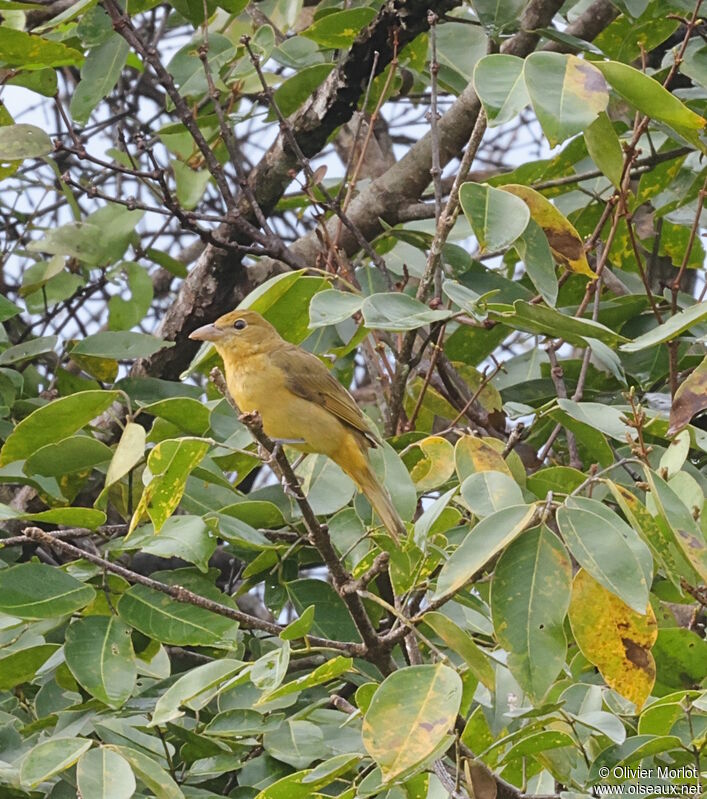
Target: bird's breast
254,383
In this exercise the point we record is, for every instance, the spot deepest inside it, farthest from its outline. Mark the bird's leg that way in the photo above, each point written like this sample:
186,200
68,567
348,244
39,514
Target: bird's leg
277,449
299,460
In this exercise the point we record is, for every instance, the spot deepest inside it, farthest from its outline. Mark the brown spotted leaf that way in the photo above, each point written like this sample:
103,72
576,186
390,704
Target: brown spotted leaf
567,93
472,455
410,717
565,243
690,399
616,639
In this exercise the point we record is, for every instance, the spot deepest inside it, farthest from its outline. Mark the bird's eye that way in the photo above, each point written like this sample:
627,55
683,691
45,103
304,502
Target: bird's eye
239,324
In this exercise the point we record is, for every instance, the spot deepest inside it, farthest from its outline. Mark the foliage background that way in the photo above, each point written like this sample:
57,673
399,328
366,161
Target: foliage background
485,218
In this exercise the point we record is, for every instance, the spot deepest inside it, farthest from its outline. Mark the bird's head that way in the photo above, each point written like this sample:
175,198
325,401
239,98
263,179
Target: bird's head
239,333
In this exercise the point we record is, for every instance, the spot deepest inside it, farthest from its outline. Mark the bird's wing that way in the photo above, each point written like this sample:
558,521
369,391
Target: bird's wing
307,377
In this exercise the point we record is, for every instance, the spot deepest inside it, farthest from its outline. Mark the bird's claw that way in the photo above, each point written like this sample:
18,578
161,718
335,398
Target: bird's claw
289,490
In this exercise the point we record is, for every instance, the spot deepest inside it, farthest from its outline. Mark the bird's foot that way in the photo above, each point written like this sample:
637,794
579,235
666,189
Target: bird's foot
290,491
279,444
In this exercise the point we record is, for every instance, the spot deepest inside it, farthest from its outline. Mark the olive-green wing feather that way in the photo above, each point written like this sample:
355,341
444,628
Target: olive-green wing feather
307,377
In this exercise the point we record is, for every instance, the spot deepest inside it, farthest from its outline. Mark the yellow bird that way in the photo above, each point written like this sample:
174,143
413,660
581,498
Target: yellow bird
299,401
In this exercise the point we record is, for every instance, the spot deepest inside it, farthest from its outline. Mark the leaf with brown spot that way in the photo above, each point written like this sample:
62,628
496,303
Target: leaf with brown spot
472,454
616,639
567,93
410,717
689,399
659,537
565,243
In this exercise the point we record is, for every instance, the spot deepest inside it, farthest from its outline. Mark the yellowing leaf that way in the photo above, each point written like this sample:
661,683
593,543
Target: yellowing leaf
473,455
168,466
689,399
410,717
616,639
437,464
566,244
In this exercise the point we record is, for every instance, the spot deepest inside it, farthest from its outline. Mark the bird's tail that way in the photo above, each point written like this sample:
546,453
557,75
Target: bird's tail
381,502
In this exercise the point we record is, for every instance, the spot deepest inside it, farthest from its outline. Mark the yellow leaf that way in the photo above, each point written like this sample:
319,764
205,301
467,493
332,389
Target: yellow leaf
616,639
437,464
473,455
566,244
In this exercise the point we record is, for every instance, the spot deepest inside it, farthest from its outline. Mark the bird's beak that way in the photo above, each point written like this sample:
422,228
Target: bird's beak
206,333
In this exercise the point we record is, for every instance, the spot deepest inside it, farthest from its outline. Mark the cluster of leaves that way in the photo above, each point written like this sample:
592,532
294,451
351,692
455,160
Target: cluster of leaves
540,626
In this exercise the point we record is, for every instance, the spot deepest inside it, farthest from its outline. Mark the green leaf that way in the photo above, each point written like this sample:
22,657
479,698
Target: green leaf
608,549
21,665
98,241
150,773
326,486
237,723
20,49
678,524
51,757
300,626
55,421
194,689
294,91
185,537
605,418
465,298
398,312
99,74
340,29
670,329
322,674
100,654
75,454
284,301
270,669
651,99
191,184
128,453
530,595
553,323
484,541
7,309
158,616
604,148
186,413
102,773
23,141
424,701
126,313
28,349
459,48
496,217
498,80
534,250
462,643
37,591
296,742
489,491
498,14
120,345
567,93
71,517
538,742
168,467
331,619
680,656
331,307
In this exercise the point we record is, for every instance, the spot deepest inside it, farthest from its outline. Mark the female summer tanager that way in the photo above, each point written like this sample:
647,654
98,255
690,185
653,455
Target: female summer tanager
298,400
